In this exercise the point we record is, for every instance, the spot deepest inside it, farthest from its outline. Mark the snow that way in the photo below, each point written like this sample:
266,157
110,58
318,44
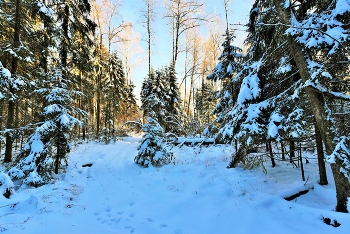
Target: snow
193,194
342,7
249,89
45,10
5,72
5,184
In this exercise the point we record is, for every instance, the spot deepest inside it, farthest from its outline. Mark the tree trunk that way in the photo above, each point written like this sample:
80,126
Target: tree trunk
1,122
282,149
11,104
273,163
317,104
320,157
99,90
291,151
58,153
149,34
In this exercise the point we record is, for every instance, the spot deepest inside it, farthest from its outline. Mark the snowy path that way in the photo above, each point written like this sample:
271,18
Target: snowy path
196,195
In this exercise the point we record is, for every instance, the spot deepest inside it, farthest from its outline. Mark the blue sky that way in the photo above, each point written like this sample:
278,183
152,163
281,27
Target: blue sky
162,48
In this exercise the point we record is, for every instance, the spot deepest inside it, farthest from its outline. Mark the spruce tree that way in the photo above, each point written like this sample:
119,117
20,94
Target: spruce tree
174,110
152,149
48,145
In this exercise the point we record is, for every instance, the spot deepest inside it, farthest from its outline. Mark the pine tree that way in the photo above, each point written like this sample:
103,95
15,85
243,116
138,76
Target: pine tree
146,91
152,150
19,23
205,101
114,94
285,73
228,70
154,96
130,107
48,145
174,110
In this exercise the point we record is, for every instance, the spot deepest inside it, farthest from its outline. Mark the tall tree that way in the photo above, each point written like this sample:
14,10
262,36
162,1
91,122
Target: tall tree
288,67
148,18
315,74
130,50
20,24
183,15
174,110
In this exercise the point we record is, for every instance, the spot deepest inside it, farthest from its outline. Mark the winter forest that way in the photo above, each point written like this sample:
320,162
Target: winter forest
224,136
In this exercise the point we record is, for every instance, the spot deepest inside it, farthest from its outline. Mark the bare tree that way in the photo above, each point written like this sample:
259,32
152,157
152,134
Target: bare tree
195,63
147,18
130,46
183,15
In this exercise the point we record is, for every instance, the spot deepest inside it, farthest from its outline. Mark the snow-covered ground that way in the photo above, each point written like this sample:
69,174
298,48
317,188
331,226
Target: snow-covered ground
195,194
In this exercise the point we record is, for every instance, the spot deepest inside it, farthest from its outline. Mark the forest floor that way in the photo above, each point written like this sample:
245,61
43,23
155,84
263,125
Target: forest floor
104,191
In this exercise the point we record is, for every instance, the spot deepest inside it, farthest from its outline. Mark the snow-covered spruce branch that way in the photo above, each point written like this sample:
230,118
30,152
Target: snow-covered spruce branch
321,89
27,127
173,120
307,28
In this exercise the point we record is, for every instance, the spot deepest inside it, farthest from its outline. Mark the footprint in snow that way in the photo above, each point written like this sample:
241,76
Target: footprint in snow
132,229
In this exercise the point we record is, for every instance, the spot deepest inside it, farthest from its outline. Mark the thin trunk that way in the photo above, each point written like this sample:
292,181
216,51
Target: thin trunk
283,153
177,28
149,35
11,103
64,52
99,88
1,122
16,124
317,104
273,163
291,151
301,164
320,157
58,153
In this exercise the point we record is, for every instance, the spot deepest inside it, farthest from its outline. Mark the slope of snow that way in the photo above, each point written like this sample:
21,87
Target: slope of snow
194,194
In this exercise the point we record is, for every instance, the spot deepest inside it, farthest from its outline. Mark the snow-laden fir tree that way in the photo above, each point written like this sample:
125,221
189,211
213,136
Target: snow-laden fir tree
130,106
230,64
154,96
114,94
205,100
146,91
48,145
20,43
286,65
152,150
174,110
7,187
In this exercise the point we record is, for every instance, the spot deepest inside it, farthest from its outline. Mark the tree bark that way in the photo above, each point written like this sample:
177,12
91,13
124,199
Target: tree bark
317,104
149,34
269,145
320,157
58,153
11,104
291,151
282,149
